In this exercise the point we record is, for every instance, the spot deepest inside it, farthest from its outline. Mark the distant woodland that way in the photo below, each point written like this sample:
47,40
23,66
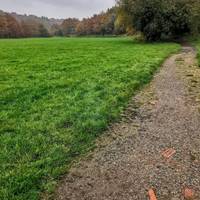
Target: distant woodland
153,19
13,25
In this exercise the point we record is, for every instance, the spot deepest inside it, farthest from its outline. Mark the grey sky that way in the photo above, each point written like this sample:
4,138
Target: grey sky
56,8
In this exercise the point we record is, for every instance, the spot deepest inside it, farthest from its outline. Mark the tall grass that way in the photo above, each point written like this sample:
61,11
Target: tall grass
57,96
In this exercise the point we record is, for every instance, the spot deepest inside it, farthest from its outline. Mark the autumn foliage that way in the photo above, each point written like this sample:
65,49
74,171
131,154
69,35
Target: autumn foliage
13,25
9,27
98,24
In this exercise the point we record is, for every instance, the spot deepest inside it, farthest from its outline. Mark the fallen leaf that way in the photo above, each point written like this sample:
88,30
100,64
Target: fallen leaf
168,153
188,194
152,195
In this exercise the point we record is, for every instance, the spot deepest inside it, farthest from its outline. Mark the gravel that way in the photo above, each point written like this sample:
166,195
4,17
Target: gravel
128,159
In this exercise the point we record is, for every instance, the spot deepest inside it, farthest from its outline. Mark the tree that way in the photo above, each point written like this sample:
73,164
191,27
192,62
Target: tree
161,19
15,25
26,29
43,32
56,30
3,26
9,26
69,26
108,21
101,24
195,17
30,28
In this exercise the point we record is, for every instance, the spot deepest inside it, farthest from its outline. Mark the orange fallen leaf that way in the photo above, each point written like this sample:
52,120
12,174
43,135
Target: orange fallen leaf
168,153
188,194
152,195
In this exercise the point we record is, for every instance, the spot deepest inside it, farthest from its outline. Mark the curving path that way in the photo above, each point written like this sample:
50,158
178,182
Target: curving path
155,146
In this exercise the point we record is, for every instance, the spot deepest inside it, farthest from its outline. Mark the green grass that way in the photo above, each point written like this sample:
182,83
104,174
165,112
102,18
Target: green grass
196,42
198,49
57,96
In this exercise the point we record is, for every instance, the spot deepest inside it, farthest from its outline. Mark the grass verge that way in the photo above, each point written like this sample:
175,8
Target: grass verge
198,48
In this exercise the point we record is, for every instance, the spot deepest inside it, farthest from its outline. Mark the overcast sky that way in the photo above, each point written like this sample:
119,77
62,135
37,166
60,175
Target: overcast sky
56,8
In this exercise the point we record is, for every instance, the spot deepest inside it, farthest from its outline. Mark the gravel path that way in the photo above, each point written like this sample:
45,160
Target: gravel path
131,157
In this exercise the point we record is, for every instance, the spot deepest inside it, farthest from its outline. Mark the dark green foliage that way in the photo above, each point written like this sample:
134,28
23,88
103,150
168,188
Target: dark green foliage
162,19
159,20
43,32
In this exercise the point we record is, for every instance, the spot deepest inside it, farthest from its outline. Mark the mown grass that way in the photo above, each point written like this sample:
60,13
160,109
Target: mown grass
57,96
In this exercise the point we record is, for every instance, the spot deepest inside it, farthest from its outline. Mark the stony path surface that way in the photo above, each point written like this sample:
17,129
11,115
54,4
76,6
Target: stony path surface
131,157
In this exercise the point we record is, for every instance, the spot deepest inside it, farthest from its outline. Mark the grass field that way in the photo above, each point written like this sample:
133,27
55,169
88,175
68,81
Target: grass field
57,96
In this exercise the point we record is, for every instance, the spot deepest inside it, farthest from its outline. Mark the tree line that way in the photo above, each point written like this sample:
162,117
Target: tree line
161,19
154,19
104,23
10,27
16,26
101,24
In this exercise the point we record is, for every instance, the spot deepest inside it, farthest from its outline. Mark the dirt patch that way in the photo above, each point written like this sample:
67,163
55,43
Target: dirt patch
155,146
